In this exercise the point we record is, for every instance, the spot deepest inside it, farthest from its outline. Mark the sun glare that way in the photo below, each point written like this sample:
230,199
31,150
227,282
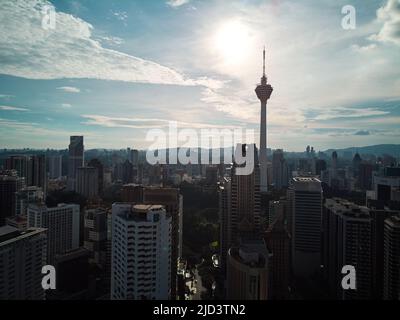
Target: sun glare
232,41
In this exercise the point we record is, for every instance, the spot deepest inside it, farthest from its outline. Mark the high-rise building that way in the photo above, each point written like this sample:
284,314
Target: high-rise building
263,91
62,224
95,238
134,157
365,171
172,200
26,196
75,160
73,276
32,168
391,276
96,163
141,252
87,182
247,271
277,239
10,183
55,167
22,256
245,202
306,196
280,172
20,164
37,172
224,211
348,235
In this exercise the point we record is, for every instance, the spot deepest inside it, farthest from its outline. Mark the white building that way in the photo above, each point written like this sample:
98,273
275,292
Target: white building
141,252
22,256
62,224
306,196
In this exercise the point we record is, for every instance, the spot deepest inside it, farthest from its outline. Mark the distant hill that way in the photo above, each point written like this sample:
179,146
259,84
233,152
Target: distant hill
378,150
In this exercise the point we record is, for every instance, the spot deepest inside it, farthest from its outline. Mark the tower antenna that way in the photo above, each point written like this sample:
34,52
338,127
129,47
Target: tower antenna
264,62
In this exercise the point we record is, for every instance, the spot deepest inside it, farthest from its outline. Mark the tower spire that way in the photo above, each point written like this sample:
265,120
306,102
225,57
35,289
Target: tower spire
264,62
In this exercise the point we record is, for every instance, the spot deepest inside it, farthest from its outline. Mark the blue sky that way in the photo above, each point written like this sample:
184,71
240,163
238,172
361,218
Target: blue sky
112,70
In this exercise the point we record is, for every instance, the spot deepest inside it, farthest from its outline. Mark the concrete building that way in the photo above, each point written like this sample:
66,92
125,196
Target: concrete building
141,252
87,182
55,167
224,212
172,200
280,171
22,256
62,224
247,271
26,196
391,258
306,196
75,160
10,183
245,202
348,240
95,235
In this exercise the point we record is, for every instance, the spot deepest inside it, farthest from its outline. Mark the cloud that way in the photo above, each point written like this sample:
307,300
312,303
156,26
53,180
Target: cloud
120,15
342,112
66,105
177,3
69,51
8,108
362,133
389,15
146,123
69,89
6,96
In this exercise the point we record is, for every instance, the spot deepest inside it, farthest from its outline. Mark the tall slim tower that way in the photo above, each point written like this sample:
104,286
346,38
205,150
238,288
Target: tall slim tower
263,92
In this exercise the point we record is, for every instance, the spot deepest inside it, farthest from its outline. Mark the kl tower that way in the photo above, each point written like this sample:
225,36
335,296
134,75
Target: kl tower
263,92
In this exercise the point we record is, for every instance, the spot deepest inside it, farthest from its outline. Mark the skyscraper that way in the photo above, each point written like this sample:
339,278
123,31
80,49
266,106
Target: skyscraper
263,92
96,163
306,224
391,276
224,211
348,241
244,220
75,160
141,252
172,200
22,256
62,224
87,182
247,271
280,174
37,173
10,183
55,167
95,238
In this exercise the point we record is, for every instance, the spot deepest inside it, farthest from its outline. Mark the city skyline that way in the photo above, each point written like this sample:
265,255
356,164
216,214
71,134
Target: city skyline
115,70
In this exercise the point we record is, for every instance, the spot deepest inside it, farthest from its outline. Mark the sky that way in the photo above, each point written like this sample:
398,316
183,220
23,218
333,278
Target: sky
113,70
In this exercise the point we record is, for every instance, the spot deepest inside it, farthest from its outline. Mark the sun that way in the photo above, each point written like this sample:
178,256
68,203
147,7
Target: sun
232,41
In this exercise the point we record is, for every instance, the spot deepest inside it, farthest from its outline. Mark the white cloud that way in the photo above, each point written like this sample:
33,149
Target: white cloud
6,96
69,89
69,50
389,15
66,105
177,3
145,123
336,113
9,108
